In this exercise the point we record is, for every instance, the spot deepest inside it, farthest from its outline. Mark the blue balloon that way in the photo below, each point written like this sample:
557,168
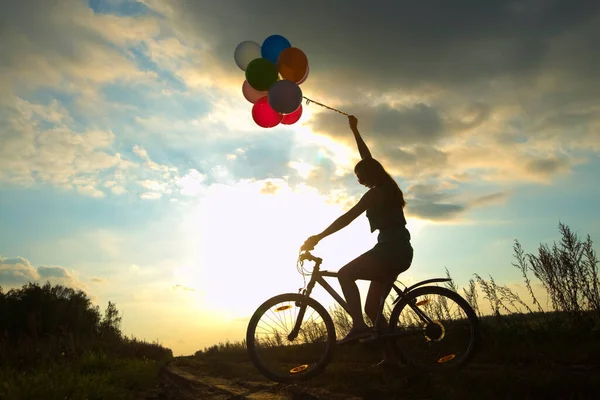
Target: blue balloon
272,46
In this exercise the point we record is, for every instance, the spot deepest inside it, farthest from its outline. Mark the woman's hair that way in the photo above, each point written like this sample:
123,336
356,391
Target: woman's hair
374,173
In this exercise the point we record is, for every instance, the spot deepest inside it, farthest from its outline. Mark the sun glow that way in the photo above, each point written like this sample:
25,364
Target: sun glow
344,156
248,238
302,168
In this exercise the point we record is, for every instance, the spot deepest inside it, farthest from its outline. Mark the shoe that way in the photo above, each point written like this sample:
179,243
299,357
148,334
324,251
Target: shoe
356,334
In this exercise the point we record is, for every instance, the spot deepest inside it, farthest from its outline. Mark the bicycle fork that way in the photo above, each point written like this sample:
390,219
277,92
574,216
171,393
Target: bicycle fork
294,333
302,304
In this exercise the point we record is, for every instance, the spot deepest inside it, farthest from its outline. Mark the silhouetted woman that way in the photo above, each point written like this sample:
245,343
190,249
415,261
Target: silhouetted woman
393,253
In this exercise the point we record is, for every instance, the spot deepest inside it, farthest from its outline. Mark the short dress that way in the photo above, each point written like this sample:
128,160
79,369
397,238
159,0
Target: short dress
393,241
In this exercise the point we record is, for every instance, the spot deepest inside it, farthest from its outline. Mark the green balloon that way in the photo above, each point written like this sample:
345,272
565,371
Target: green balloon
261,74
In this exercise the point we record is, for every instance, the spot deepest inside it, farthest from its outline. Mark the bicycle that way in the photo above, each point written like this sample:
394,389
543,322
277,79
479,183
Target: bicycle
305,349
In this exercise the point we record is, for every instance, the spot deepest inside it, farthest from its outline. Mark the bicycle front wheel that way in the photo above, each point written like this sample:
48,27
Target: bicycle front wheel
434,328
283,354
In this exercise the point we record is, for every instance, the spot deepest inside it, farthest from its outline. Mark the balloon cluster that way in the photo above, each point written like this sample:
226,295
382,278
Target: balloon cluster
274,72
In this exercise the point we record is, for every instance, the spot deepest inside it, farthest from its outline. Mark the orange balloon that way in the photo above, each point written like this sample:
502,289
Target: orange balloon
292,64
305,76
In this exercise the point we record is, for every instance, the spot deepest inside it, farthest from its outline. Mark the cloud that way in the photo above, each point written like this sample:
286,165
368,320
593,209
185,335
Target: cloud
263,157
435,211
489,199
411,44
547,166
15,272
430,83
67,39
495,94
155,186
269,188
190,63
191,183
416,161
424,143
143,155
413,124
439,201
32,152
41,145
150,196
184,288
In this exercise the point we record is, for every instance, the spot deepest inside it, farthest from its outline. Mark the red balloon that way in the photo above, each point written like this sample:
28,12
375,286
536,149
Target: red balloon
292,118
264,115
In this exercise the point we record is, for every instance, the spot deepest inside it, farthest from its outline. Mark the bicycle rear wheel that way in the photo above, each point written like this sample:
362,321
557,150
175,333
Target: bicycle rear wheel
434,328
284,359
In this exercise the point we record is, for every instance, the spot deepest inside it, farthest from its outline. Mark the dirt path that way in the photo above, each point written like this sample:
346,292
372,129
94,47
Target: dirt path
181,380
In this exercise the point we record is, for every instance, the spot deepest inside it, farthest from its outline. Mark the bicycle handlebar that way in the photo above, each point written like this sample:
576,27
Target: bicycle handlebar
306,255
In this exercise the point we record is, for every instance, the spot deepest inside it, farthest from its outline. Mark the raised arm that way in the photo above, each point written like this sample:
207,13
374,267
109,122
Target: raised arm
362,147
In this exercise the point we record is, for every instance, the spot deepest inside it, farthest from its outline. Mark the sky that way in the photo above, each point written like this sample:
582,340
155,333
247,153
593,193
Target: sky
131,168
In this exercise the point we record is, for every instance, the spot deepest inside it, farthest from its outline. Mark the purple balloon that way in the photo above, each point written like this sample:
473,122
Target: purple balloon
285,96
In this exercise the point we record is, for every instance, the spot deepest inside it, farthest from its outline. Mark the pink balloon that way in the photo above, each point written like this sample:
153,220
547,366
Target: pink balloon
251,94
264,115
292,118
305,76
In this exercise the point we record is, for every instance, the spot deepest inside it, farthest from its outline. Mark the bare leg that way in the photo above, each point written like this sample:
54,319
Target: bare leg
352,296
364,267
376,291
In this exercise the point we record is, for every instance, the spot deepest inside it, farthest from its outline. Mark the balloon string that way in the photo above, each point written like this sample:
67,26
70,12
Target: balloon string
308,101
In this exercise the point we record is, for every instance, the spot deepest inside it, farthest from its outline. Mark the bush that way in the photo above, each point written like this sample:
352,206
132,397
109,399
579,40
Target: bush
48,323
54,344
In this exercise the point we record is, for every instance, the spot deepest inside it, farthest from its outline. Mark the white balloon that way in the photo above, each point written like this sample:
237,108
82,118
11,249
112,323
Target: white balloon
285,96
246,52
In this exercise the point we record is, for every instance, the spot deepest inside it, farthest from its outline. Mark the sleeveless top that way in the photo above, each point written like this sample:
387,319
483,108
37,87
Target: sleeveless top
388,217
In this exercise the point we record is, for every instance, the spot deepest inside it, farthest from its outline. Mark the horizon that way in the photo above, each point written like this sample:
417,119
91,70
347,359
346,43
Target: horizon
131,168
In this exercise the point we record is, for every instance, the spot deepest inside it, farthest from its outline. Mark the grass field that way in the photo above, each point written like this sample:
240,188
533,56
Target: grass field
515,361
92,376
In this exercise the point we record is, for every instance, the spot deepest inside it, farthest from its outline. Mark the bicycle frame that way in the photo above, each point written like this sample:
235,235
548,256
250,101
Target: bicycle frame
318,276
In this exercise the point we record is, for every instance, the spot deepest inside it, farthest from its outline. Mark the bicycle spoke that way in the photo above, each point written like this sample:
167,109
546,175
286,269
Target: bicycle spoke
276,323
438,332
280,358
